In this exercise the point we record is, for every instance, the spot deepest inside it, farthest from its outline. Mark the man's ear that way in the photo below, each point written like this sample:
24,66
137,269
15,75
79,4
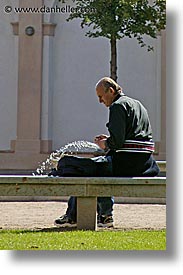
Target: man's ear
112,91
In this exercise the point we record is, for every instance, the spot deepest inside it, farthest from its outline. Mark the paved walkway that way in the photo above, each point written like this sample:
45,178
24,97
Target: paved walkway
41,215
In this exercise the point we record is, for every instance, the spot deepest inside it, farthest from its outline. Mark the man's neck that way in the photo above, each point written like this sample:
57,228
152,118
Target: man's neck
117,96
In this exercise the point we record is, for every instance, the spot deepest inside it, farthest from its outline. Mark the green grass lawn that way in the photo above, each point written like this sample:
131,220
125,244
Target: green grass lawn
83,240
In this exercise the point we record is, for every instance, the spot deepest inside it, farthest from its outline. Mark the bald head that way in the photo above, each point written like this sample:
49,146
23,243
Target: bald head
107,82
107,90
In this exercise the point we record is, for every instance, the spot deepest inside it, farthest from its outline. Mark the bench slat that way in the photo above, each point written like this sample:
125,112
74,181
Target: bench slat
80,180
48,186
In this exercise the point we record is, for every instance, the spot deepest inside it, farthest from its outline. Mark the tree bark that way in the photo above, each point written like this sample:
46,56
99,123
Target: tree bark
113,62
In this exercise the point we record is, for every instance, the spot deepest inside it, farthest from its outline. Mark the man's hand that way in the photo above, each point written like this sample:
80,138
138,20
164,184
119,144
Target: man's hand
101,141
100,137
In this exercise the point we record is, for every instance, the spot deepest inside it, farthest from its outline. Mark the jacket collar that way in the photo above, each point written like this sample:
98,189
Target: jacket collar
118,96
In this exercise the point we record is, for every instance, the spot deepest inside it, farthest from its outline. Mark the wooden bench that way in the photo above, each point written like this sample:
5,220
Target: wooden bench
86,189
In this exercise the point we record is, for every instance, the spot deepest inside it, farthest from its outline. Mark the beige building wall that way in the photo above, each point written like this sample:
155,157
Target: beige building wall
47,84
8,79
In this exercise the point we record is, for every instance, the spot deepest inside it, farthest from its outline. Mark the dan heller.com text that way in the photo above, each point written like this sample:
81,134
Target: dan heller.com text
55,9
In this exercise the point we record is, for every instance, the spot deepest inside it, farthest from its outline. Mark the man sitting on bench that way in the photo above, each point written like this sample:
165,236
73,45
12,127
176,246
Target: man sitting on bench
129,147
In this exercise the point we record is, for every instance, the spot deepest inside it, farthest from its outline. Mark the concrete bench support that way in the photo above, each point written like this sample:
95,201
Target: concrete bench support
85,189
86,213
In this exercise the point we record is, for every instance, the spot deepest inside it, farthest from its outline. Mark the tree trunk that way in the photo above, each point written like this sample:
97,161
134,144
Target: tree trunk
113,62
